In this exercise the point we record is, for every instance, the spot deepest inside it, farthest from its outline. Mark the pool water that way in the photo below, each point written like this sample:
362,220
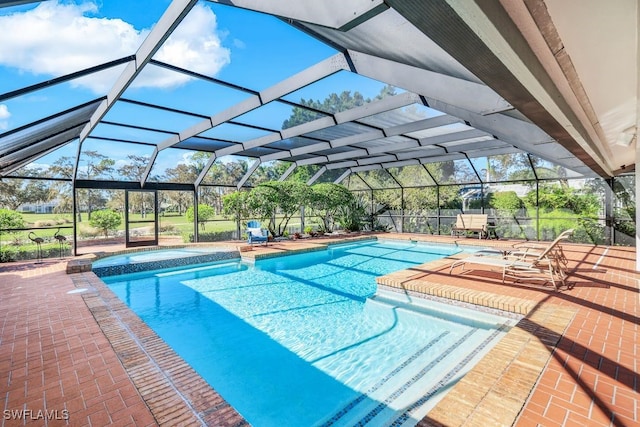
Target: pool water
305,340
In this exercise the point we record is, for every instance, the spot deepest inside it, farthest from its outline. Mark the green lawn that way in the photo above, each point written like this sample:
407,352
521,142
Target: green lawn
179,222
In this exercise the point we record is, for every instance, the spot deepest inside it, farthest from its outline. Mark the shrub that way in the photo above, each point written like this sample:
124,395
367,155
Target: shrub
105,220
8,253
205,212
44,223
168,229
215,236
86,231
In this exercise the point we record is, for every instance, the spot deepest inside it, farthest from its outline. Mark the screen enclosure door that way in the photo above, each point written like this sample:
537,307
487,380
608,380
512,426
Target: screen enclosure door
141,217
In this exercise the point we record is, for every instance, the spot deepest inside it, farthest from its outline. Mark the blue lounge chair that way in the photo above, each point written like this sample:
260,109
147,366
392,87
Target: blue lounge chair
256,234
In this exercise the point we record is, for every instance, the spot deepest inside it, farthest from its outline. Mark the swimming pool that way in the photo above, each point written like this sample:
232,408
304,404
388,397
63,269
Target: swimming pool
305,339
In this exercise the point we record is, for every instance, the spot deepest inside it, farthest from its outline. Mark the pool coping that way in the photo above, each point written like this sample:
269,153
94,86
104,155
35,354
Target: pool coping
172,390
494,391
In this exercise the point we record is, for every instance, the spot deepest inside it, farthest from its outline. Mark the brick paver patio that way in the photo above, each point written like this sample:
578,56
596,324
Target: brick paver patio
82,358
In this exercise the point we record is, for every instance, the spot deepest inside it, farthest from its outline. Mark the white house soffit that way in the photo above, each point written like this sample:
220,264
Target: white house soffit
471,96
474,16
310,75
171,18
338,14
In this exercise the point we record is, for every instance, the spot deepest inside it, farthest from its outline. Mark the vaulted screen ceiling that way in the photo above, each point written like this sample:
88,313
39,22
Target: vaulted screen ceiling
472,79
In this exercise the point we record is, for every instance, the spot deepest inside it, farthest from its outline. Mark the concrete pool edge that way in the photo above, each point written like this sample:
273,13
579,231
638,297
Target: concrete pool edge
497,388
174,393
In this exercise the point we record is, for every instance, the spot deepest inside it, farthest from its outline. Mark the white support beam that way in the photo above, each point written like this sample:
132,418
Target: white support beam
370,109
310,75
30,159
473,154
338,14
401,163
452,137
347,155
405,162
147,170
203,173
250,172
340,165
317,175
424,124
288,172
378,159
312,161
462,93
342,177
169,21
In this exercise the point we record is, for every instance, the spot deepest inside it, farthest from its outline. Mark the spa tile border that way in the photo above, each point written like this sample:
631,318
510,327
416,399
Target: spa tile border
113,270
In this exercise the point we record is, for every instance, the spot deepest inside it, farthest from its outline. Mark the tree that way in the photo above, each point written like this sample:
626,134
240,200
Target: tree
105,220
132,170
94,166
15,192
235,205
62,190
334,103
10,219
505,201
327,200
283,197
205,213
186,172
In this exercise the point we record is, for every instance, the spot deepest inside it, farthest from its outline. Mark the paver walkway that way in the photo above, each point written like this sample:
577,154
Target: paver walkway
56,365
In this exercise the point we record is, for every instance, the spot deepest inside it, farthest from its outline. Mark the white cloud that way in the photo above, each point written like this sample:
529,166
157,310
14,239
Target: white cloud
4,117
56,39
239,44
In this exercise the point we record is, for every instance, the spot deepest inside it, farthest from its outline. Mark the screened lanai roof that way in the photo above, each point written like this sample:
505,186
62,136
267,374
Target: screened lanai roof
234,79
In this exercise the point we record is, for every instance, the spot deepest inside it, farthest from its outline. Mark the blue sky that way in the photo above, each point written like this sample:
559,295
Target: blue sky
53,38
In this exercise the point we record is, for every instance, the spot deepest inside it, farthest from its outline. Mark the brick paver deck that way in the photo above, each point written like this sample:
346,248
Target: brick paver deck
85,357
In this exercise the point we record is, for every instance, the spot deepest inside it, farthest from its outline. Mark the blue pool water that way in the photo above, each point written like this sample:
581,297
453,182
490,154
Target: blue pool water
305,340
